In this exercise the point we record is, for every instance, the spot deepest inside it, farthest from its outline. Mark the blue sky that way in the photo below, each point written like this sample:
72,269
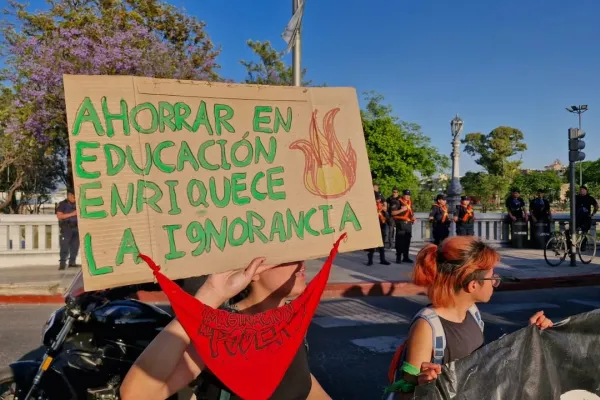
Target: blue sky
516,63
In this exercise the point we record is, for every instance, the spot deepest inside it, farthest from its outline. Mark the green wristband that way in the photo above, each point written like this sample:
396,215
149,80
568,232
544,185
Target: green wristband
410,369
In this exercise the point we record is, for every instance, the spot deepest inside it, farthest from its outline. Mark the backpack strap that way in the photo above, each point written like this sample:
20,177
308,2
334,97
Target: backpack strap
474,311
438,336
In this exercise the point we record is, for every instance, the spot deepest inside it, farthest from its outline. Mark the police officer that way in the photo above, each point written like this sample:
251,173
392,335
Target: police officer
465,217
585,207
404,217
515,205
66,212
440,220
393,204
382,215
539,208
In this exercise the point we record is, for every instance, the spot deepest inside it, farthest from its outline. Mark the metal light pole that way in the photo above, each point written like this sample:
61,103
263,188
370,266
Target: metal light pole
579,110
455,189
296,55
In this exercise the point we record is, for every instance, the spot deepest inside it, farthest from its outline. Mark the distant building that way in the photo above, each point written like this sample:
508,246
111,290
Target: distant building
557,167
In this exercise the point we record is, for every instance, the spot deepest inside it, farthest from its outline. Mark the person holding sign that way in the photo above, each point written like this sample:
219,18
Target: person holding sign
404,218
440,220
171,362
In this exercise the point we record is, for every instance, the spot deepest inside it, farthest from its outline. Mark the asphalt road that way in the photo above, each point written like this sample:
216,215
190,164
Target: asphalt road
351,340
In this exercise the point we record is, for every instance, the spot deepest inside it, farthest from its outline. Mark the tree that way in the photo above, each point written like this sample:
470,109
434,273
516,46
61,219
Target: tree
397,150
269,68
529,183
591,172
490,190
494,150
89,37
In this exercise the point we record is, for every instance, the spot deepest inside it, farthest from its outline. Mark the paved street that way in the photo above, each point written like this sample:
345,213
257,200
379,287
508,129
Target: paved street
348,268
351,340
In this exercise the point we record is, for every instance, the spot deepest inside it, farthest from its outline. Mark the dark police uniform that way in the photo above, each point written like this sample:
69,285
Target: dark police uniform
465,219
404,221
393,204
540,209
585,207
69,234
383,225
440,222
516,207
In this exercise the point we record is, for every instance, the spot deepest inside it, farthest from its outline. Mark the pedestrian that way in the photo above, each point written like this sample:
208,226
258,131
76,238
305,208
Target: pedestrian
393,203
66,212
405,218
383,226
465,217
539,208
585,207
457,274
170,362
440,221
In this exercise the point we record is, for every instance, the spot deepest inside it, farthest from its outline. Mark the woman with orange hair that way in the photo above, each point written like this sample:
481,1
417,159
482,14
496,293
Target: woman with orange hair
457,274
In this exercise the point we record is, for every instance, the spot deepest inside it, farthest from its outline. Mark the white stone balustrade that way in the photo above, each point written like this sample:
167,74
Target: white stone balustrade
28,240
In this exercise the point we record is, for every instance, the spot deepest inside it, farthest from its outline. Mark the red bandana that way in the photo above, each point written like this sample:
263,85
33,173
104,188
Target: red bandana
248,353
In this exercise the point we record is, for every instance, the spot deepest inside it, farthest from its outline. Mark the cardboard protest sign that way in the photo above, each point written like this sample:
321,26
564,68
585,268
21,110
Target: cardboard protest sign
203,177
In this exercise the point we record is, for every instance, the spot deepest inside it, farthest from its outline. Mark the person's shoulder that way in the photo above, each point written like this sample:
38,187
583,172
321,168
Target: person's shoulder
61,205
420,331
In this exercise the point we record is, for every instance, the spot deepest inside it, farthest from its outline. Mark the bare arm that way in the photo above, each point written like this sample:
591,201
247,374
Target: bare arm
168,364
316,391
419,347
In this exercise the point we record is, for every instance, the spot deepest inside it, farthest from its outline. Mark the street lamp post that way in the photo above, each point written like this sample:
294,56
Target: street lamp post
579,110
455,189
297,54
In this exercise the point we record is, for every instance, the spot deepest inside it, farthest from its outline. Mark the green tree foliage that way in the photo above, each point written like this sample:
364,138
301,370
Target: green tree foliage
93,37
494,150
529,183
268,67
591,172
398,151
488,190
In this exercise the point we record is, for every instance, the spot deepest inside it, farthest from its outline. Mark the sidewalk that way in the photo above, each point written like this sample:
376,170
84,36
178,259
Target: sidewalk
350,277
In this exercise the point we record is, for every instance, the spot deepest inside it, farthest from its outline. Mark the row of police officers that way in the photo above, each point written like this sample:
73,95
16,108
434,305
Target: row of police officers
397,216
586,207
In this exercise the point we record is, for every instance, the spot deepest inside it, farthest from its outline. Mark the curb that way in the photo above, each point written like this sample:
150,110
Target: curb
332,291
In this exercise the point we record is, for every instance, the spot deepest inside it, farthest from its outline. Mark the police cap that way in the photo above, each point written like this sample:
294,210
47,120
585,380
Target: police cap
406,192
465,198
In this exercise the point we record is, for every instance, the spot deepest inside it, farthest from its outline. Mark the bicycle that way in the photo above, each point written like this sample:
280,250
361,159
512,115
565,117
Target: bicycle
559,246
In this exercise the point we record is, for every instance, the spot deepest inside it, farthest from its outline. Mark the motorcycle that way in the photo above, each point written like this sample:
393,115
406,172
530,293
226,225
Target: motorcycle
91,342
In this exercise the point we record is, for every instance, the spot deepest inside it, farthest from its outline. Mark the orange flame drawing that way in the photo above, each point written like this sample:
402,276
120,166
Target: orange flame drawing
329,170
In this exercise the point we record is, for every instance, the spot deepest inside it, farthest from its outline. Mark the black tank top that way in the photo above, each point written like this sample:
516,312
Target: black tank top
462,338
295,385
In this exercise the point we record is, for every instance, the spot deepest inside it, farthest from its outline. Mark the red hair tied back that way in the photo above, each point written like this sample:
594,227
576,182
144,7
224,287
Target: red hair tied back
426,270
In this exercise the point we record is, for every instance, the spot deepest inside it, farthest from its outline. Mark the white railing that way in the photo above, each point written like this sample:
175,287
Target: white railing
493,227
28,240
